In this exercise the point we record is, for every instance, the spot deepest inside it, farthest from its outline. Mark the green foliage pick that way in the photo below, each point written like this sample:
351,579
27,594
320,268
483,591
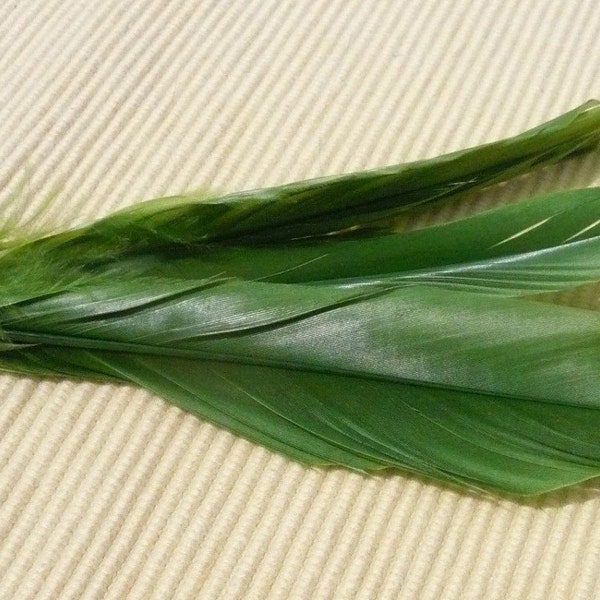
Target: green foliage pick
300,318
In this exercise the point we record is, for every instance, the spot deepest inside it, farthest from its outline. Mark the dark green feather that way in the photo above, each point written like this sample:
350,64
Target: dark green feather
298,318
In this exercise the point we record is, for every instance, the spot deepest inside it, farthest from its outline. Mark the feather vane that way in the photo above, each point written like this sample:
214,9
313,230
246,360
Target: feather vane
300,318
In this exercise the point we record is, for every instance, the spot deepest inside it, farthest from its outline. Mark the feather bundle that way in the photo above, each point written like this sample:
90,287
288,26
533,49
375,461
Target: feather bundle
301,318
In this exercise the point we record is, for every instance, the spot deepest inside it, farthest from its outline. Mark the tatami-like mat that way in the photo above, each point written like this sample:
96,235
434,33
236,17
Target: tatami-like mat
108,492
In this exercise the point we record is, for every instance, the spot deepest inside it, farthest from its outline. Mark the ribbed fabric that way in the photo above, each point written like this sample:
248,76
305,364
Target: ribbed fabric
107,492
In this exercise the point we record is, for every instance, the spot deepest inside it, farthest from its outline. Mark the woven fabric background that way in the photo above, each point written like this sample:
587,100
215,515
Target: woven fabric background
107,492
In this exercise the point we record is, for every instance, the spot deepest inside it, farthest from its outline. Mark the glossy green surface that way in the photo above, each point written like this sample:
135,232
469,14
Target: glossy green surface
433,351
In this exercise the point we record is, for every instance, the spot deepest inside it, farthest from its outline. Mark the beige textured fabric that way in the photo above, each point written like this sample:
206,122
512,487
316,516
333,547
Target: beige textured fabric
108,492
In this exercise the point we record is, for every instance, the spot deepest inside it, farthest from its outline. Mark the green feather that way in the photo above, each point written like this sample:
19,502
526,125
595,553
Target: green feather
298,318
